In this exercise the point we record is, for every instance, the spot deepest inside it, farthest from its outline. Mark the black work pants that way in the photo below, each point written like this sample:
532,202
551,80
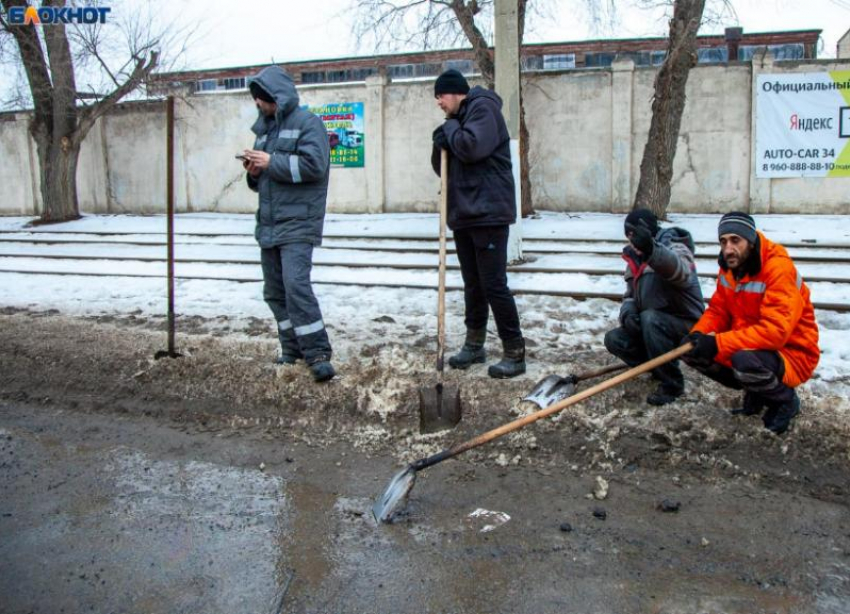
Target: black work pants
483,256
659,333
757,372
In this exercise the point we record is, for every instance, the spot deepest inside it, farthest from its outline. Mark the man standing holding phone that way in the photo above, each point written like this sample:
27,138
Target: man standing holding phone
289,168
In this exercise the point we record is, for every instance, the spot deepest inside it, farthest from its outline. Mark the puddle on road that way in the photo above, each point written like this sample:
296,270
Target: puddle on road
202,535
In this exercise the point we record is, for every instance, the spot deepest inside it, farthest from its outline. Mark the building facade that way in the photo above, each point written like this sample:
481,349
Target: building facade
734,44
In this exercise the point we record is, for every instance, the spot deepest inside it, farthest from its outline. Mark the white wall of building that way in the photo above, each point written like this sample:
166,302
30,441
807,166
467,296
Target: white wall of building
587,129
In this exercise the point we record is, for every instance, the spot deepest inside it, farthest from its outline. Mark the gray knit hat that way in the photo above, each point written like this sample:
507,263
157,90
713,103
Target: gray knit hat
737,223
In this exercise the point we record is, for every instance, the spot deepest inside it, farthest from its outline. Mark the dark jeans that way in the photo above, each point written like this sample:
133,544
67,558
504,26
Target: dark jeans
483,256
289,294
659,333
757,372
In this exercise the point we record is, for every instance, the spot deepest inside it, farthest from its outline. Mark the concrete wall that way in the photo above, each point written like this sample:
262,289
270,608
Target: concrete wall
587,128
19,171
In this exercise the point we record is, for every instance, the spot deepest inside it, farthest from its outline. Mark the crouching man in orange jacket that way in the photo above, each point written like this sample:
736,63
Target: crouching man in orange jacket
759,332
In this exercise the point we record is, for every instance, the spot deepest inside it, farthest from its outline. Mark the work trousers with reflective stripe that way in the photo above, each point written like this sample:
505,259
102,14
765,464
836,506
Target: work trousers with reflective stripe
757,372
289,293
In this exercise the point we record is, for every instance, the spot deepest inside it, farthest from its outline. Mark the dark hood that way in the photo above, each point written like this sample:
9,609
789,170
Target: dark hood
480,94
674,234
280,86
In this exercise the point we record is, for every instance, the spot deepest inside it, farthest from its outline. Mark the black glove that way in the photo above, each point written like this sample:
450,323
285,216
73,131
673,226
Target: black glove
439,138
631,324
705,347
641,237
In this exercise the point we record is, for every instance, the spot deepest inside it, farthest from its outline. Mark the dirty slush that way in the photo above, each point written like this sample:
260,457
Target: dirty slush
218,482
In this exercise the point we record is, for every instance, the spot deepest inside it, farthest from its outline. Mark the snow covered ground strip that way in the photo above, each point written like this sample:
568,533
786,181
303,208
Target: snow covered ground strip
834,229
355,309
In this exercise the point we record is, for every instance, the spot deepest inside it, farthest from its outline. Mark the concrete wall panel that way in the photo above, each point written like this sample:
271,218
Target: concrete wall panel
587,134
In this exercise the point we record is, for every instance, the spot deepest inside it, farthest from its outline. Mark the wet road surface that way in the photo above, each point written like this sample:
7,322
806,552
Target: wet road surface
111,514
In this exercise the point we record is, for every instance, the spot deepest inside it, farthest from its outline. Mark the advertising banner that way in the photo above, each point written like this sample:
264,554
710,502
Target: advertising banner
803,125
344,123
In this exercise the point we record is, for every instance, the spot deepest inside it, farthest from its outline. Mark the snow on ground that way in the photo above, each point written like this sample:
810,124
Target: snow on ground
832,229
357,315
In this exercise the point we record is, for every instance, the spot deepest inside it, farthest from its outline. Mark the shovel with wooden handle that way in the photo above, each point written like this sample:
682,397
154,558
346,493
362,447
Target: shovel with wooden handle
553,388
439,406
402,483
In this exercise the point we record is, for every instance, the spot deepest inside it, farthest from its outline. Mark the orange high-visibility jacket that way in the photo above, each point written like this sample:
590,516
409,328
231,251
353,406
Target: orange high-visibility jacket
769,311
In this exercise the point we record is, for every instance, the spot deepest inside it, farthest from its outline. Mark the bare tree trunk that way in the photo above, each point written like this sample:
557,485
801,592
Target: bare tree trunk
59,125
668,105
465,13
524,166
58,176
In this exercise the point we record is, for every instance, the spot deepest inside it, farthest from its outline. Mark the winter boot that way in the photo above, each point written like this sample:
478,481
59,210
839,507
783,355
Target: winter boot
286,359
513,360
472,351
778,417
664,394
289,350
753,404
322,369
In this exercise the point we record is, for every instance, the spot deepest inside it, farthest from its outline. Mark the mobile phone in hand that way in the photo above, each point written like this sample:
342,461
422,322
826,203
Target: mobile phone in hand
241,157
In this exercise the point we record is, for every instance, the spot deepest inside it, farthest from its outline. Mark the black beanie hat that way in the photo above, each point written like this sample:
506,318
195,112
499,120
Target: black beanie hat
450,82
257,91
737,223
642,215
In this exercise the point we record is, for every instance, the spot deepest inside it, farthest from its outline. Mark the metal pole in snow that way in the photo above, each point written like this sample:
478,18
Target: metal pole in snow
170,205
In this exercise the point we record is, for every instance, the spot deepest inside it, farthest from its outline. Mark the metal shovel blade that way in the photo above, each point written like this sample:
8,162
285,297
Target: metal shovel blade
550,390
398,488
439,408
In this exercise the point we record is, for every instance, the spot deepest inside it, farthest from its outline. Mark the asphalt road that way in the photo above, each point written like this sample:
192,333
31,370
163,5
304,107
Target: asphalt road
133,515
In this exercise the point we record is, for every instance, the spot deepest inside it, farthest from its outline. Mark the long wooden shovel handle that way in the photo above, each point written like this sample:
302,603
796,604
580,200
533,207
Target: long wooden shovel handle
441,280
552,409
602,371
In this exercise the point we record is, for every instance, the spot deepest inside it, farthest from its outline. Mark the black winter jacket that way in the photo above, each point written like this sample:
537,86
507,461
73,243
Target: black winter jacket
481,182
667,282
294,189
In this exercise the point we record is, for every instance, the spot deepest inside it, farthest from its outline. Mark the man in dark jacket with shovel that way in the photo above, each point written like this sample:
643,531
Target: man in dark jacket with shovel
289,167
663,300
481,206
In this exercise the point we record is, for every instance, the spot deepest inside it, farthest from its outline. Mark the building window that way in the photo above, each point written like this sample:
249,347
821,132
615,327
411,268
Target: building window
598,60
233,83
712,55
559,62
400,71
464,67
360,74
532,62
428,70
789,51
337,76
313,77
657,57
207,85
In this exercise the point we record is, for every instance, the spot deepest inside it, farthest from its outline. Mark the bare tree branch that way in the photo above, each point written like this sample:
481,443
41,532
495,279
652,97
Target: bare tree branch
112,62
140,73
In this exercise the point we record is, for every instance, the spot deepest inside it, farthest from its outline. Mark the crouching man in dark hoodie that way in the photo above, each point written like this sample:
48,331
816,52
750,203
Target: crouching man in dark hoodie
481,206
289,168
663,298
